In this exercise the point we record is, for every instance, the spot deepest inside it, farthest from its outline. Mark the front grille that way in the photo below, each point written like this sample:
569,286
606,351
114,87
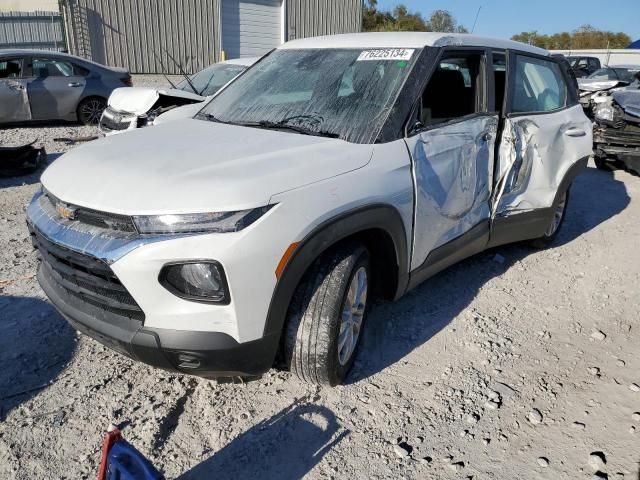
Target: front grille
86,278
88,216
113,120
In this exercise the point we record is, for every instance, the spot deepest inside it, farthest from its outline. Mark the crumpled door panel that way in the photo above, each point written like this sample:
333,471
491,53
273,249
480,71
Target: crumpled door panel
453,167
14,102
536,151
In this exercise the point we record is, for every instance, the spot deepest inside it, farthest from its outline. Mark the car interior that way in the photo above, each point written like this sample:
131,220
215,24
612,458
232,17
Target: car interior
10,68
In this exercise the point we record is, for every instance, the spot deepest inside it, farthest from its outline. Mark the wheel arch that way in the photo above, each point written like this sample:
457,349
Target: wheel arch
379,227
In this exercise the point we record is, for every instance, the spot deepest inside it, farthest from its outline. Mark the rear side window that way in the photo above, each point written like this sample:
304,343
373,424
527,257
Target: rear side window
11,68
539,86
47,67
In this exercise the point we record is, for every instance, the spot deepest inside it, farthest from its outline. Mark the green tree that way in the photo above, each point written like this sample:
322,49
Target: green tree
402,20
584,37
443,21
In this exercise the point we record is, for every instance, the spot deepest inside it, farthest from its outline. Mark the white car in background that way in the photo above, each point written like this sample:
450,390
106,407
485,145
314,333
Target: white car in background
131,108
338,170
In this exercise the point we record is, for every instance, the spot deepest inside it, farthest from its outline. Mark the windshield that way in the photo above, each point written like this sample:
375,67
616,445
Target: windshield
343,93
604,74
211,79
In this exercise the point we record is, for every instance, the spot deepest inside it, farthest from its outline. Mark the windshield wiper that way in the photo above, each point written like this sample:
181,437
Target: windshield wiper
285,126
209,117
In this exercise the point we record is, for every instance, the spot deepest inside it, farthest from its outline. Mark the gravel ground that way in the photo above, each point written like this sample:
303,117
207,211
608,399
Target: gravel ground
515,363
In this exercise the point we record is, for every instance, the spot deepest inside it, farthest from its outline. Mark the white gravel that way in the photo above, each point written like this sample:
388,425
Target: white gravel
512,326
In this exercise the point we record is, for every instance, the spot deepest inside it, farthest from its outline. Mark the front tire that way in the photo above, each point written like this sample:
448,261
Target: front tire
327,314
559,213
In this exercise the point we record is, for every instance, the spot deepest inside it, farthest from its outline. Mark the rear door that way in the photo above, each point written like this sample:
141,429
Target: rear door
451,142
14,103
55,88
545,134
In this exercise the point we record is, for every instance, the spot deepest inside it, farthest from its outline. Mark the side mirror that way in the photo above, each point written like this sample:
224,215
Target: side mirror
416,127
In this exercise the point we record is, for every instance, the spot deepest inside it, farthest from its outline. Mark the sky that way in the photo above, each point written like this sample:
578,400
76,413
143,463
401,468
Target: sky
504,18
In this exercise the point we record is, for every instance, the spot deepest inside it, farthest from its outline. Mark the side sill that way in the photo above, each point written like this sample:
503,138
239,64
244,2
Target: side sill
468,244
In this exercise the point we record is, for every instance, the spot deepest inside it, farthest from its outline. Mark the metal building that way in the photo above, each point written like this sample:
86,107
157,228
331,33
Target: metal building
143,35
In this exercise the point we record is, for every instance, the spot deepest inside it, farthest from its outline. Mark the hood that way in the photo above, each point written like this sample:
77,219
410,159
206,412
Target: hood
193,166
593,85
629,100
178,113
139,100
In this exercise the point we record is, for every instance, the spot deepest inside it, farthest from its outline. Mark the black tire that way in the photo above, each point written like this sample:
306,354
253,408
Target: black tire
90,110
315,316
559,208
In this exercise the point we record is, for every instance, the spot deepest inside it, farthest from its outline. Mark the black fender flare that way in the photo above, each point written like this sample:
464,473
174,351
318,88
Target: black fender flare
380,216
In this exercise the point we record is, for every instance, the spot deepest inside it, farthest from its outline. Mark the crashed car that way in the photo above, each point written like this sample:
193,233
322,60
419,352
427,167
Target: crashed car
338,170
131,108
41,85
616,132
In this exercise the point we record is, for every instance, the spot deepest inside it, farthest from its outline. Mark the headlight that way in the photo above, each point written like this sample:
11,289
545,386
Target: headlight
220,222
199,281
605,111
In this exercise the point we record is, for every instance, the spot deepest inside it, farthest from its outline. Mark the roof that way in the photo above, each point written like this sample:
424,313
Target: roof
53,53
246,61
409,40
635,44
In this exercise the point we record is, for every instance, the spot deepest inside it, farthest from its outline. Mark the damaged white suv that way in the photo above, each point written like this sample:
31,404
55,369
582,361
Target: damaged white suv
336,170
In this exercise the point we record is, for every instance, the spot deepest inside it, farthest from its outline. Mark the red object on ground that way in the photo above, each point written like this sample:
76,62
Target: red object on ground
112,436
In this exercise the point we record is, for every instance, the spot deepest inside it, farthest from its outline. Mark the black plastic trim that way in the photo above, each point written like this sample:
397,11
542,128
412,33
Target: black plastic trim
468,244
162,278
380,216
529,225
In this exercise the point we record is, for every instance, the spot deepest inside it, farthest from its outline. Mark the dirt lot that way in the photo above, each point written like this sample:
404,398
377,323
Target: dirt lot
516,363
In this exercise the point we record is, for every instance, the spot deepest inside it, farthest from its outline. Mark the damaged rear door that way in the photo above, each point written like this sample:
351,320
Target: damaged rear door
14,103
544,137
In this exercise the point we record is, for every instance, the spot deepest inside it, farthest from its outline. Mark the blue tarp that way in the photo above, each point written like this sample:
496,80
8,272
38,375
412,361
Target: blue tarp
635,44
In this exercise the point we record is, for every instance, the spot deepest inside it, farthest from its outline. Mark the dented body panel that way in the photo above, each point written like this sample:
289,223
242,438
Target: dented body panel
535,153
453,167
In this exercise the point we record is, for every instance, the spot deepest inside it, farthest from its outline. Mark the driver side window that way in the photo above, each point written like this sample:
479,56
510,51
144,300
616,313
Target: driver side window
453,90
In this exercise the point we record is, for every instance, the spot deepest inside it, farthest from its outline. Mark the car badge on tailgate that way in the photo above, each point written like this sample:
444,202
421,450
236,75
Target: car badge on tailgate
65,211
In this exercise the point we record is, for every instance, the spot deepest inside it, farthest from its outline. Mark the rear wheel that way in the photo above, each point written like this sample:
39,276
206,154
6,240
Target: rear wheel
90,110
559,211
327,314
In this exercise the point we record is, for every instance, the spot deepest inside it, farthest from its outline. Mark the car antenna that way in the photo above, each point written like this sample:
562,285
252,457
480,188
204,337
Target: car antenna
186,77
163,67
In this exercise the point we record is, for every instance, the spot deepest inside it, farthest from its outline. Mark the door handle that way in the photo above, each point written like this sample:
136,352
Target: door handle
75,84
575,132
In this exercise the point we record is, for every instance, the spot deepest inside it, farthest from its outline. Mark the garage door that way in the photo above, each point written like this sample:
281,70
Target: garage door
250,28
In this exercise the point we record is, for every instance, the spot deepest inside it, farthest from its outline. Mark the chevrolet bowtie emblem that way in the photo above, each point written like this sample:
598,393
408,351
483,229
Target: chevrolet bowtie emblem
65,211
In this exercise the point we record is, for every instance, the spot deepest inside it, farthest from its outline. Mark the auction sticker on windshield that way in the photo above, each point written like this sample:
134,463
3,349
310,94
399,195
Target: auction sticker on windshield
386,54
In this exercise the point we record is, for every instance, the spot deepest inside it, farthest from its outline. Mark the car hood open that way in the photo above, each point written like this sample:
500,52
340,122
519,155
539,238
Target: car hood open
193,166
139,100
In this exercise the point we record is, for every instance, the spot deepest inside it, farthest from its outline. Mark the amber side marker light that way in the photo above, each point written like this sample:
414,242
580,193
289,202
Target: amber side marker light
285,259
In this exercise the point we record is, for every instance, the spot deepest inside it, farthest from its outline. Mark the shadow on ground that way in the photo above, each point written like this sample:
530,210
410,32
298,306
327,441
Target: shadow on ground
284,447
396,329
35,345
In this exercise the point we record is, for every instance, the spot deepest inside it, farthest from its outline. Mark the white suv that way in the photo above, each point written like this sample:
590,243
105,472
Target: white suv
338,169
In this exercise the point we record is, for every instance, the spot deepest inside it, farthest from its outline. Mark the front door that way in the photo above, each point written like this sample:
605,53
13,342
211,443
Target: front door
545,134
54,89
451,143
14,103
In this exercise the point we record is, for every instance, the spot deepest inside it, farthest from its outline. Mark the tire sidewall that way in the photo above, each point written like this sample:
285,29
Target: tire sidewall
337,372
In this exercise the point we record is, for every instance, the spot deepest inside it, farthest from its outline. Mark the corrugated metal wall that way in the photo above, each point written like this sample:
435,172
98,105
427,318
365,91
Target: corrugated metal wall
310,18
42,30
141,35
137,33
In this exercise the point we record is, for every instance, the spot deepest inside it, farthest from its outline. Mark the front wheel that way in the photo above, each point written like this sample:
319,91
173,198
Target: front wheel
327,314
90,110
559,212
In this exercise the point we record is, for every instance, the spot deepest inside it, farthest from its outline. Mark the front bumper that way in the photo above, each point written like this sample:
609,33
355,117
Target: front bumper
107,287
205,354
